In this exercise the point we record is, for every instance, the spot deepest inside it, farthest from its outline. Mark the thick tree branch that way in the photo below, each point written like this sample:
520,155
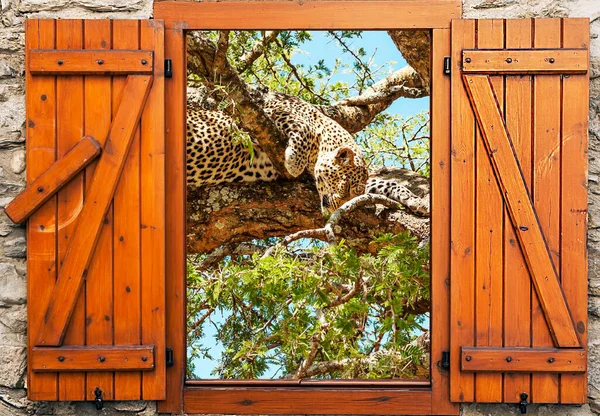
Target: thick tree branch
227,215
415,47
205,60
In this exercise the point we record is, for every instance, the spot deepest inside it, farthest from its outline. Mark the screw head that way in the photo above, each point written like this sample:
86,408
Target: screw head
60,62
468,358
144,358
468,60
550,360
508,359
40,189
101,359
61,358
508,60
144,62
551,60
100,61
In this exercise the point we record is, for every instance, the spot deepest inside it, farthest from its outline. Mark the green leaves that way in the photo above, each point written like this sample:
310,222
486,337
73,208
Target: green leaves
358,307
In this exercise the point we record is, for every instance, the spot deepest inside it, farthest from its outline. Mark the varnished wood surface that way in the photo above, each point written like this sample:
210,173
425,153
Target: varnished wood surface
310,15
83,358
55,61
53,179
527,360
526,61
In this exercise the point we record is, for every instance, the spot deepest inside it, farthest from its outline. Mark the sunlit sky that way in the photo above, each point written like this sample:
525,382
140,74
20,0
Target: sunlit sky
324,47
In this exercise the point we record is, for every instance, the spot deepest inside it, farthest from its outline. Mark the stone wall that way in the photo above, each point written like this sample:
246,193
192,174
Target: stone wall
12,178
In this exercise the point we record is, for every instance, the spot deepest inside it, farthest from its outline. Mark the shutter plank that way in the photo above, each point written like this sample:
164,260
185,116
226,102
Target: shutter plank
70,119
538,360
488,247
41,237
555,61
98,285
517,298
462,245
127,295
574,201
546,189
152,192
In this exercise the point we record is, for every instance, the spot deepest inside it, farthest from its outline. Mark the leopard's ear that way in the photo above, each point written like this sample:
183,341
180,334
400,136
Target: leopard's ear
344,156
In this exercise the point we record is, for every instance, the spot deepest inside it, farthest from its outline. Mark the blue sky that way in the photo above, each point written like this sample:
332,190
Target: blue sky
324,47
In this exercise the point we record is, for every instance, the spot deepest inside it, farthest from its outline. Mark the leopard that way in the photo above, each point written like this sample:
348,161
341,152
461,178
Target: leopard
316,144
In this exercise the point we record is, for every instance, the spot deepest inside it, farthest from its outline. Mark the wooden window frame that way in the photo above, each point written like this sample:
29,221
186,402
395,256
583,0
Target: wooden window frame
285,397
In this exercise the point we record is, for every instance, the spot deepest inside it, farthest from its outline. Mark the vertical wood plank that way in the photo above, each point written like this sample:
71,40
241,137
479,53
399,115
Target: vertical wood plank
440,222
546,188
126,205
98,286
462,254
517,297
152,191
69,104
175,87
489,235
41,235
575,99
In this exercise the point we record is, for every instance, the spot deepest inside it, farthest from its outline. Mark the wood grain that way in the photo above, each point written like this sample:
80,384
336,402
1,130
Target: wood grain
70,127
371,15
523,214
306,400
99,282
540,360
574,264
62,62
153,195
126,232
175,211
546,190
40,104
517,283
462,244
489,223
526,61
102,358
94,209
53,179
440,222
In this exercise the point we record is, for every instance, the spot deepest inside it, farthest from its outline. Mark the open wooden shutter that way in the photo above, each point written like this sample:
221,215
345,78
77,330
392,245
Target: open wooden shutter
519,210
96,244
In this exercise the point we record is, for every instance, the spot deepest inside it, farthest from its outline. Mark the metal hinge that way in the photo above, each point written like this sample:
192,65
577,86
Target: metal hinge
445,363
168,68
447,63
170,359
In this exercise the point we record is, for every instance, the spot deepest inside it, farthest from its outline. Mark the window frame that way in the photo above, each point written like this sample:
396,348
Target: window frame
331,397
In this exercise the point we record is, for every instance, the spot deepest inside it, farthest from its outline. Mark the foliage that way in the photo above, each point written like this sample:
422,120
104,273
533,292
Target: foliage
271,312
316,311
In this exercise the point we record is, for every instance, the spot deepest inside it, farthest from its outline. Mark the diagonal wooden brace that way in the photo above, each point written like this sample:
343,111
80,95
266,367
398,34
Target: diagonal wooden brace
522,212
101,192
52,180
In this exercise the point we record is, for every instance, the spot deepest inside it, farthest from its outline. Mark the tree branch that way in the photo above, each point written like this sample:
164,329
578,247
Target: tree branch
230,214
257,50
